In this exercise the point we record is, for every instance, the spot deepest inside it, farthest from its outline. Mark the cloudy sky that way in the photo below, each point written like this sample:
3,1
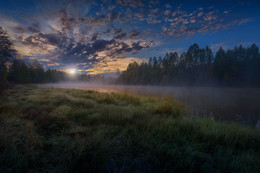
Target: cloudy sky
102,36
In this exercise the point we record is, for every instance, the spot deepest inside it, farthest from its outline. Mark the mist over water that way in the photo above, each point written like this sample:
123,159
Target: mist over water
224,104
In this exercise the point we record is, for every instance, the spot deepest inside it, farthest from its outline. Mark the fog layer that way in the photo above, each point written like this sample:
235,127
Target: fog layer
226,104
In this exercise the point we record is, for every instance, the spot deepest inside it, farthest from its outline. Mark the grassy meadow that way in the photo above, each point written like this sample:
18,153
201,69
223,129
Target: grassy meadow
66,130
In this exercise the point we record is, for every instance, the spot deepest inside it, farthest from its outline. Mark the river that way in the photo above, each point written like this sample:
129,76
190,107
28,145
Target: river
240,105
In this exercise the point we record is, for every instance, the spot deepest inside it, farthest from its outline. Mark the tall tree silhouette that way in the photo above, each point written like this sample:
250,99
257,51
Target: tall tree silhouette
6,53
235,67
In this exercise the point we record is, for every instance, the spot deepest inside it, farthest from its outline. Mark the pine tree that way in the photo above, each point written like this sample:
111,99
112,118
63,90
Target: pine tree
6,53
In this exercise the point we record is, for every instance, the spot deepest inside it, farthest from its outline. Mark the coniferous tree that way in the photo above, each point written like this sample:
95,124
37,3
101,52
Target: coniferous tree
6,53
235,67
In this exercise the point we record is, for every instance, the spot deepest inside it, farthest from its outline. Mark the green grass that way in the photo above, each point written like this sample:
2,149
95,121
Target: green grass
65,130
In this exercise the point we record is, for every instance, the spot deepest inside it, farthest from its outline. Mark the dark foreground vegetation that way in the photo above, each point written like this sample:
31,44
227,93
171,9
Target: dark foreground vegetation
65,130
235,67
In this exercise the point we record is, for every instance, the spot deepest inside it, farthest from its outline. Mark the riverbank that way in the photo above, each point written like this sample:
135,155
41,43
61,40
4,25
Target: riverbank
65,130
239,105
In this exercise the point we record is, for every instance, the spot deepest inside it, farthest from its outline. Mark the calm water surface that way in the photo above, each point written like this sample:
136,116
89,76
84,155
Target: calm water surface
225,104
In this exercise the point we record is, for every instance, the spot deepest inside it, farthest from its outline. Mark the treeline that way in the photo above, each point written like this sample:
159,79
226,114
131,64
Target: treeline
235,67
94,78
34,72
14,70
17,71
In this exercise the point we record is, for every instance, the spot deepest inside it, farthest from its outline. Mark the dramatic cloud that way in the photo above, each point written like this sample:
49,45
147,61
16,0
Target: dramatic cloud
183,23
34,28
100,37
112,65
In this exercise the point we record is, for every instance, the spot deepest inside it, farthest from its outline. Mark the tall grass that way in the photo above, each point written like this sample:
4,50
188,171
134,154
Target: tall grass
64,130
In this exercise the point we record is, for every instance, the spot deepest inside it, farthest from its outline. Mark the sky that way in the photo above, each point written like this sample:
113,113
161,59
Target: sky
104,36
